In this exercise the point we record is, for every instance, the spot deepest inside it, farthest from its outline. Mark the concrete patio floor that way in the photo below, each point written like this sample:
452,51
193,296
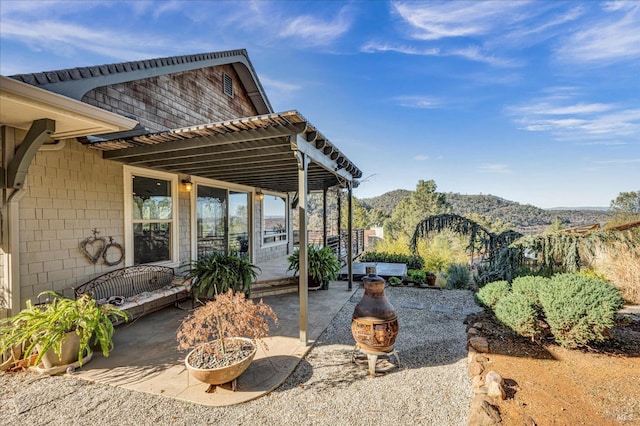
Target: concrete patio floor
146,359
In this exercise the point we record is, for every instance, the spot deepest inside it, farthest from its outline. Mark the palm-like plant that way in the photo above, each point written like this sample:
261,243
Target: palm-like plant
45,327
323,264
216,273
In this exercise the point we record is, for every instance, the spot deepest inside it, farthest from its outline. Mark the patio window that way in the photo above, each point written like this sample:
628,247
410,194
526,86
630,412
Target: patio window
151,217
274,219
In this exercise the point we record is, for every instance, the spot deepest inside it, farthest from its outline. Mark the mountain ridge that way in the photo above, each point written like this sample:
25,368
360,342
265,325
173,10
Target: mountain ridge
524,218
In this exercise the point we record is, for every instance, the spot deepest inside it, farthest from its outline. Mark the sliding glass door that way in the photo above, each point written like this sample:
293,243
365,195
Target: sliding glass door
222,221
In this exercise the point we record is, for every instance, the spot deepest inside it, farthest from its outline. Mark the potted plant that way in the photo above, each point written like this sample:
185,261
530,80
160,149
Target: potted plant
221,333
216,273
431,278
394,281
60,331
323,266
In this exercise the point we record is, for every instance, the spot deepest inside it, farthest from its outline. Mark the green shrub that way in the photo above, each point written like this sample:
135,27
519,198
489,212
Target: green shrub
579,309
516,311
458,276
416,276
529,286
412,262
491,293
394,281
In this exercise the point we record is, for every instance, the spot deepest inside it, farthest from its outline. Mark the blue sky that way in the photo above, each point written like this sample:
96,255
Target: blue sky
533,101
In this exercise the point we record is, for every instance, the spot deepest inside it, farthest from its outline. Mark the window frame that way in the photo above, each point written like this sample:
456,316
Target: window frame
129,173
228,186
286,220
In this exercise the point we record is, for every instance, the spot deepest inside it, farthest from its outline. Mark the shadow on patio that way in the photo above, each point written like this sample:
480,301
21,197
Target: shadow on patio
146,358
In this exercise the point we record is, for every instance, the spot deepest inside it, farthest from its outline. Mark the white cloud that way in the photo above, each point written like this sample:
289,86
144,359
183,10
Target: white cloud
494,168
279,92
568,119
373,47
472,53
419,102
438,20
421,157
316,31
614,37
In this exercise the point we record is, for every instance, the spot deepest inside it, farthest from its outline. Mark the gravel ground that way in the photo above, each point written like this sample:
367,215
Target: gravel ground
431,387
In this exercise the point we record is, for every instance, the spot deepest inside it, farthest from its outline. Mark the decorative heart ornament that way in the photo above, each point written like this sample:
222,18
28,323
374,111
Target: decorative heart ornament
93,247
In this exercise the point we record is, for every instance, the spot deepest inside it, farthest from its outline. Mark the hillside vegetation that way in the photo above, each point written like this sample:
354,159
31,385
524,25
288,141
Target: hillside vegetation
524,218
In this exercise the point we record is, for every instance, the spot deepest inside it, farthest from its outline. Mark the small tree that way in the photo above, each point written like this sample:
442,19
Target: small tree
229,315
626,207
422,203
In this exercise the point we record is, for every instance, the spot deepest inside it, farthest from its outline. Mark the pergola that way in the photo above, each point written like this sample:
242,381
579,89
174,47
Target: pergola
282,152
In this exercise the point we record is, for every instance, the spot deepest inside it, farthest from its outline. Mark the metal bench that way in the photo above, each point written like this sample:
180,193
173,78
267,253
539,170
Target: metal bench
137,289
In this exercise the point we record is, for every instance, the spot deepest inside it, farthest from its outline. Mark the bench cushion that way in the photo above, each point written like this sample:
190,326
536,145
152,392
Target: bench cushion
144,288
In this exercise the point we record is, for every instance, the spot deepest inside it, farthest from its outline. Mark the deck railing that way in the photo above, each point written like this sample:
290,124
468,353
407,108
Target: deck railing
338,243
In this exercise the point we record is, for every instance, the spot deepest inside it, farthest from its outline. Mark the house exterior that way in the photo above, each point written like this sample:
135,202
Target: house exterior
196,161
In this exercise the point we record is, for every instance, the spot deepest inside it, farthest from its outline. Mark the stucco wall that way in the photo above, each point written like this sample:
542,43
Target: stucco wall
176,100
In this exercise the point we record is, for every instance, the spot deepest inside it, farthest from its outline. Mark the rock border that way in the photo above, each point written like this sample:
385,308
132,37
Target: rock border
488,387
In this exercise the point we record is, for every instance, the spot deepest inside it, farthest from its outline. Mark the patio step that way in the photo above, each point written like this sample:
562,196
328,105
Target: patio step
274,287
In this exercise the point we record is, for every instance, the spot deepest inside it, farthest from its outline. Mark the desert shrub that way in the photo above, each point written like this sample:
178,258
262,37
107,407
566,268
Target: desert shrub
417,276
398,245
440,252
412,262
529,287
491,293
516,311
578,309
458,276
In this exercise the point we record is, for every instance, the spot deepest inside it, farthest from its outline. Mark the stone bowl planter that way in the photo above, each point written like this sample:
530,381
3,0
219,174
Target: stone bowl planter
222,375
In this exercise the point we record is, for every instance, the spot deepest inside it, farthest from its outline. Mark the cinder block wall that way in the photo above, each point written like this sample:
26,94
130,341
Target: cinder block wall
69,193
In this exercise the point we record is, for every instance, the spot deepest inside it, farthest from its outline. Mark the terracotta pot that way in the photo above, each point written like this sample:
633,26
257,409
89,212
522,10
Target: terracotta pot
431,280
219,376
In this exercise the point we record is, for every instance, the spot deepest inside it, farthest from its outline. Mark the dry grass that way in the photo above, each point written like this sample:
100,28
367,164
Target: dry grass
619,263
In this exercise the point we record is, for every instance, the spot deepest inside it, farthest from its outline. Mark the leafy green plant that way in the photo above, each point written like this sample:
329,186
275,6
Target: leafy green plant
491,293
323,264
394,281
578,309
458,276
416,276
517,312
216,273
44,327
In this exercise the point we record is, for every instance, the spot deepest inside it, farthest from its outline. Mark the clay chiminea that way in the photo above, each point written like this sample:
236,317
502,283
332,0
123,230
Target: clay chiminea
374,323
